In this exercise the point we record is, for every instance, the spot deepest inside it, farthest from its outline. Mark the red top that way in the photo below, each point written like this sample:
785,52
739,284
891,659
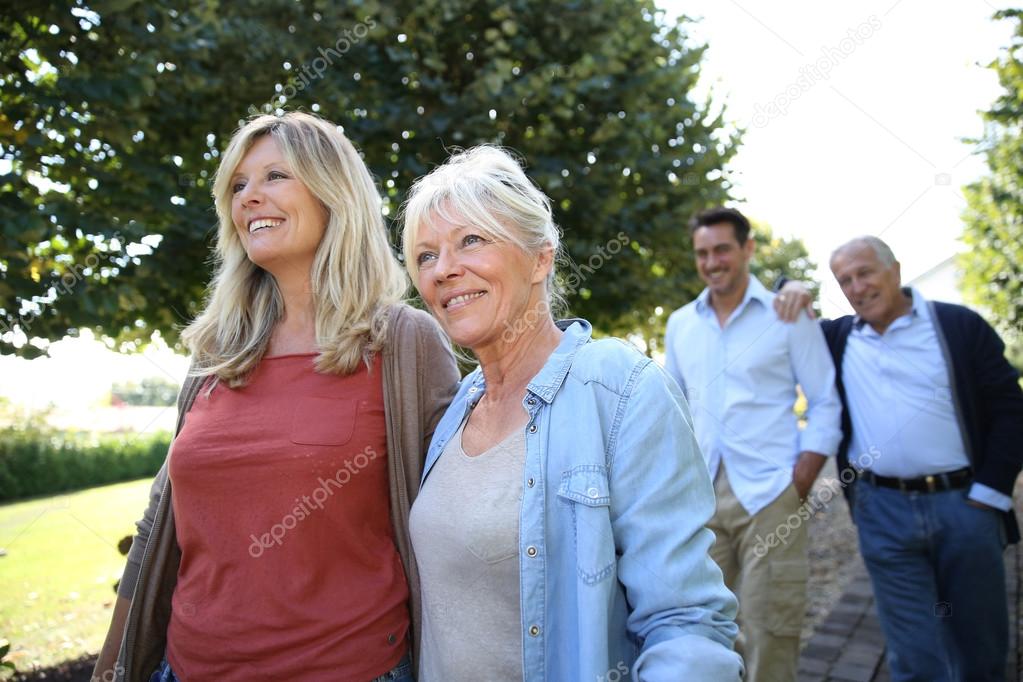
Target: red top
288,564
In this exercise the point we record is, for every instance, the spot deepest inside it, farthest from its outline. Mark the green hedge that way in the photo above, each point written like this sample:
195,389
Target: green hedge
39,461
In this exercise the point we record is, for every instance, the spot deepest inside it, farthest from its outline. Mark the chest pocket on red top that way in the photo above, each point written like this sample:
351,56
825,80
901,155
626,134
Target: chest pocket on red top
323,421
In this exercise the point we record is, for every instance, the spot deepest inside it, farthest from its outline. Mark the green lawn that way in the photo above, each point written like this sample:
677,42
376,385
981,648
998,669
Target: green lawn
56,581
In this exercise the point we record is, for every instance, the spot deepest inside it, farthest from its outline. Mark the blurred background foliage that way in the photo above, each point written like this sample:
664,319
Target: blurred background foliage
112,114
38,460
150,391
993,265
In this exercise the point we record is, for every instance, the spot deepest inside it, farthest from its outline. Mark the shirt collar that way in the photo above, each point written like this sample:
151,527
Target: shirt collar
576,333
918,309
754,291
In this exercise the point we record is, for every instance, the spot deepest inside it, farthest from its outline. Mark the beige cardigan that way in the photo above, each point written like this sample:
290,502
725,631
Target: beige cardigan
420,378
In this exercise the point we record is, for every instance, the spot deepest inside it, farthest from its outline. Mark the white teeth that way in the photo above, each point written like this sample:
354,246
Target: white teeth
264,222
463,298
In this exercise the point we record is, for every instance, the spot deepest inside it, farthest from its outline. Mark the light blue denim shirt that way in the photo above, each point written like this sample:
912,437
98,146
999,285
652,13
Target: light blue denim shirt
615,575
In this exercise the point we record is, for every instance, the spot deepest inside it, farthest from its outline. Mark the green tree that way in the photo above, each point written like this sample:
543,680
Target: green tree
112,115
777,256
993,265
150,391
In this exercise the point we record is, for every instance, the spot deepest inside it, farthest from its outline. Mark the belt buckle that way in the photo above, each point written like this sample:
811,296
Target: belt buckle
930,483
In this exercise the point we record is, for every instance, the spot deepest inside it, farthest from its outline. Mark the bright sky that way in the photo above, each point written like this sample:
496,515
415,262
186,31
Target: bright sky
79,372
873,146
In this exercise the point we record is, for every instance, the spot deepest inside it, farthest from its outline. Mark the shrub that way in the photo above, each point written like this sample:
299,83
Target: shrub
41,461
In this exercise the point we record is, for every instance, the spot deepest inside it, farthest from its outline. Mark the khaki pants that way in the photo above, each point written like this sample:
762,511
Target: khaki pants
763,558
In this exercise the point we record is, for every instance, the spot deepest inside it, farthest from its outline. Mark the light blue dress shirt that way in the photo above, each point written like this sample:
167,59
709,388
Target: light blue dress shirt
615,575
898,389
741,380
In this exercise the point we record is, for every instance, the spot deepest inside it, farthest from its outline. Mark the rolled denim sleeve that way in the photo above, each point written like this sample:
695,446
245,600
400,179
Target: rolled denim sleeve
662,497
815,372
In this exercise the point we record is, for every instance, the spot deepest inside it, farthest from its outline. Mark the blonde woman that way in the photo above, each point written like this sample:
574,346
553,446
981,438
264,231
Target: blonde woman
276,545
559,531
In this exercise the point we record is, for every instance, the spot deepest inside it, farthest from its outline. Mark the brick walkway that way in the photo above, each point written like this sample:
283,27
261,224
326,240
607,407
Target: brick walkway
848,645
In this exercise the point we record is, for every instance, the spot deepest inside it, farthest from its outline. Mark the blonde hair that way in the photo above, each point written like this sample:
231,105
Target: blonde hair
484,187
355,276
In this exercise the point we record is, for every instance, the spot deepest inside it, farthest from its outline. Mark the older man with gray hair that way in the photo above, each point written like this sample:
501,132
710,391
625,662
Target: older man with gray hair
933,426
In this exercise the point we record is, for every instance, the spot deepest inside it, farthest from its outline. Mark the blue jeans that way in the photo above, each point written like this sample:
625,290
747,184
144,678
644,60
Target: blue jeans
939,582
399,673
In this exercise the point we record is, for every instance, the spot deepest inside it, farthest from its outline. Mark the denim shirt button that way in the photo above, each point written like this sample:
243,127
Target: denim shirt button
534,630
593,493
531,401
531,551
473,389
532,428
530,483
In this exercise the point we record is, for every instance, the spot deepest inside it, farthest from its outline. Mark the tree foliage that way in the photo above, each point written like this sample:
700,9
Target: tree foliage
157,391
776,256
113,112
993,265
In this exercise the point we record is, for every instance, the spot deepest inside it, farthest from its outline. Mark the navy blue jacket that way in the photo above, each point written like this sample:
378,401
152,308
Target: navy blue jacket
986,394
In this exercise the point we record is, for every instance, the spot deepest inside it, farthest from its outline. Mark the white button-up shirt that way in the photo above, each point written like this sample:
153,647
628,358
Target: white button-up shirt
741,380
897,386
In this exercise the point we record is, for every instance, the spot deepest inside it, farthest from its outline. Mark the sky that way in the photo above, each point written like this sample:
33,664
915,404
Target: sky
854,116
78,374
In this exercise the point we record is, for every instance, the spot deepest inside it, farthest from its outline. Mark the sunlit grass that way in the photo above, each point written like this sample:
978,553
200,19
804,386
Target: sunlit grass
56,580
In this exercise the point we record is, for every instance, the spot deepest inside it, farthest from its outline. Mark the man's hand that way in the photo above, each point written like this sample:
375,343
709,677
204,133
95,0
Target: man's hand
793,299
805,472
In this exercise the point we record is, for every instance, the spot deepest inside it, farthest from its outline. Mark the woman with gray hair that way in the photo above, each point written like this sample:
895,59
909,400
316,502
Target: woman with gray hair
276,545
559,531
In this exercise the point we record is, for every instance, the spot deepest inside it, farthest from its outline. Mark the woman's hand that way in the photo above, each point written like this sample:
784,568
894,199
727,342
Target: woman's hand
106,664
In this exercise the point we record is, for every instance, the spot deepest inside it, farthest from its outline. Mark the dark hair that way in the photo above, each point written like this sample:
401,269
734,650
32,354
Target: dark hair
718,215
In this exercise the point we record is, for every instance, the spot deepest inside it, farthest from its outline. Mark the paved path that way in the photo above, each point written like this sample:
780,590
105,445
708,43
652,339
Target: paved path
848,645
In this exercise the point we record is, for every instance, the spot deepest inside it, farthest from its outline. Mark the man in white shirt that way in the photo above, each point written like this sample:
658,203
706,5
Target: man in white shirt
739,366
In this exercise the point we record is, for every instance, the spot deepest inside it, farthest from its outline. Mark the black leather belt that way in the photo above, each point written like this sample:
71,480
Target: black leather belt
935,483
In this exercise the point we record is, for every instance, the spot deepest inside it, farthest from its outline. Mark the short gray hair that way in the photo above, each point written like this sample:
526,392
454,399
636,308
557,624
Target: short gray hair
484,187
883,251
